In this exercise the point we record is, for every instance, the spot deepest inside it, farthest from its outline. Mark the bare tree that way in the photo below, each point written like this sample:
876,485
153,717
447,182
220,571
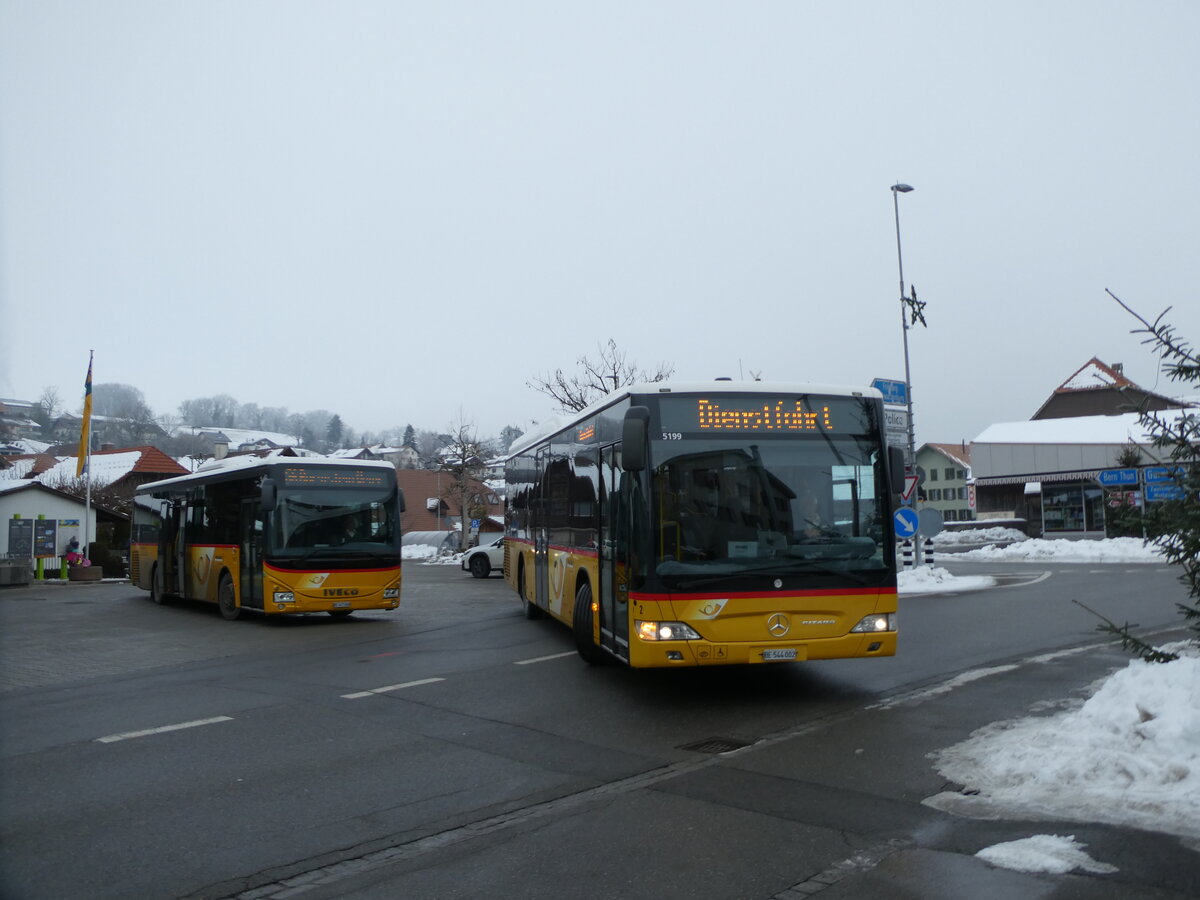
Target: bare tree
595,378
462,459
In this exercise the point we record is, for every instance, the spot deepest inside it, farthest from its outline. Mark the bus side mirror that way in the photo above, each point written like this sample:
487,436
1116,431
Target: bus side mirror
634,433
270,495
400,500
896,465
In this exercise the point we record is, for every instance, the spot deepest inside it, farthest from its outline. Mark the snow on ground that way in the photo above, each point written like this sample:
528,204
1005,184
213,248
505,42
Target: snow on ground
1128,755
1110,550
932,579
974,536
1044,853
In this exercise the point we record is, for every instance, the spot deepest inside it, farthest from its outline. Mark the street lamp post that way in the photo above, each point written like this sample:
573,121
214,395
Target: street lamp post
897,190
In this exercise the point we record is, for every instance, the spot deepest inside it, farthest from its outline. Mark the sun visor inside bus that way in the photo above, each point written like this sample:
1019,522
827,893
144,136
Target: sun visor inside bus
270,495
633,438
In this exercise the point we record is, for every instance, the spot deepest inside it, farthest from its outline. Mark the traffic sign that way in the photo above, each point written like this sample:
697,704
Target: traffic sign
907,522
930,521
894,392
1163,492
1114,477
1160,474
895,425
910,485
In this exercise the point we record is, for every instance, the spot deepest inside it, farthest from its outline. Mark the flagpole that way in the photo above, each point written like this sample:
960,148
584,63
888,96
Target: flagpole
84,465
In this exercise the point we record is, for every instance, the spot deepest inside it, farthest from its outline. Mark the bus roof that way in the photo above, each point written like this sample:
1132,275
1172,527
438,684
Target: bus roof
559,423
232,467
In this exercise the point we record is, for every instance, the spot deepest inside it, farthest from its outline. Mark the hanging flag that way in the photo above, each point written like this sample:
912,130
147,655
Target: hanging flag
87,421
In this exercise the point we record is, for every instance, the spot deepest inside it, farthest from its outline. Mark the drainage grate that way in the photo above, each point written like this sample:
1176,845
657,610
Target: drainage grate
716,745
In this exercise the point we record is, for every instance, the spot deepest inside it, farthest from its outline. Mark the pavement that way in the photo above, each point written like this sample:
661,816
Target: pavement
847,790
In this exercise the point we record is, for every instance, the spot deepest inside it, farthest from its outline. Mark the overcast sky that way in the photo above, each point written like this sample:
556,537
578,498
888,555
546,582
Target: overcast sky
401,211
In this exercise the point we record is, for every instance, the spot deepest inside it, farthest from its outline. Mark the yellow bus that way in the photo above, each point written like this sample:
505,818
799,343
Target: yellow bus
273,535
711,524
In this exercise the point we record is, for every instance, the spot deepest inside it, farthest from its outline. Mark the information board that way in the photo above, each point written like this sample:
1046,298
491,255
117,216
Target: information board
20,538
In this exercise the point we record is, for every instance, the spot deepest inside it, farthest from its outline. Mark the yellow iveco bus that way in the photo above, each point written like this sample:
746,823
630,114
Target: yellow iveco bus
710,524
272,535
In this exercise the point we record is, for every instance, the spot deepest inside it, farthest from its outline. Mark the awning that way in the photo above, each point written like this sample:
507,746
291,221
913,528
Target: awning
1088,475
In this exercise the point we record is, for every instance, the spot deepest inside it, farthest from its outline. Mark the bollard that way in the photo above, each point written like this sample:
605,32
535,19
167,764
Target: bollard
928,551
906,555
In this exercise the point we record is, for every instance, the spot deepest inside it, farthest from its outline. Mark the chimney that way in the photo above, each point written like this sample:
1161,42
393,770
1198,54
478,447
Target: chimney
220,449
1119,368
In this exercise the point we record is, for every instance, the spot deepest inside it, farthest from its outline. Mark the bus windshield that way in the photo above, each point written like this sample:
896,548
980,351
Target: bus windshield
336,522
730,506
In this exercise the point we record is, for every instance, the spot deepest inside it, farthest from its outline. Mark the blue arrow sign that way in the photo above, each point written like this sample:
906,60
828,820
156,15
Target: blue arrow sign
895,392
1113,477
907,522
1159,474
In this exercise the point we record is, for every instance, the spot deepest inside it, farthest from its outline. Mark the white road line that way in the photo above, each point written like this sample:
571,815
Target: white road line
391,687
538,659
124,736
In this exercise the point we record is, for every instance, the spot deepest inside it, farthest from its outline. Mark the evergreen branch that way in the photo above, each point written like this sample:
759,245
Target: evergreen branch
1129,642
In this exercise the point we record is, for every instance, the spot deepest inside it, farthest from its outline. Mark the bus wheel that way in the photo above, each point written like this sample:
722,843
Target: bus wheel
156,585
227,599
532,610
582,621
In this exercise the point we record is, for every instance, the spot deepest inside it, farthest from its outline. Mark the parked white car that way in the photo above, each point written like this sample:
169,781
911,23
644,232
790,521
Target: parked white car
481,560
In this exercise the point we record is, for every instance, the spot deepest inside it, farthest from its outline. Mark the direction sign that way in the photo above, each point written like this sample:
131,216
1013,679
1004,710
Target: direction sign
1114,477
894,392
907,522
1160,474
1163,492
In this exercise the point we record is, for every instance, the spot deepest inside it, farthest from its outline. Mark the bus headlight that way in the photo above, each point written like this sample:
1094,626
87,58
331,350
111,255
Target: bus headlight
666,631
392,593
284,597
877,622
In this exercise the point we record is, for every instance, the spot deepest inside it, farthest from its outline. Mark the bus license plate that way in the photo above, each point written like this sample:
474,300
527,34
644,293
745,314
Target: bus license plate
781,653
345,604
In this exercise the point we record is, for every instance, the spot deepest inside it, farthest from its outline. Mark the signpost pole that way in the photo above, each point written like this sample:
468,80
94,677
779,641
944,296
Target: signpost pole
897,190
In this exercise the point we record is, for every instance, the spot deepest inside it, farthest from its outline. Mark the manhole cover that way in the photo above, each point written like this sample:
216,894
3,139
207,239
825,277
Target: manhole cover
716,745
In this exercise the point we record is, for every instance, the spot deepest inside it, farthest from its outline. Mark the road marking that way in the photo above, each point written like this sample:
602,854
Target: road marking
124,736
391,687
538,659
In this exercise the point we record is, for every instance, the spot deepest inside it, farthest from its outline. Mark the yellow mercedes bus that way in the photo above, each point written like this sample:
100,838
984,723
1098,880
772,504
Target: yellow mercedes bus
711,524
272,535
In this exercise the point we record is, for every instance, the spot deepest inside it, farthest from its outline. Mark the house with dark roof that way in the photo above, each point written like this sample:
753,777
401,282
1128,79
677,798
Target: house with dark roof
1098,389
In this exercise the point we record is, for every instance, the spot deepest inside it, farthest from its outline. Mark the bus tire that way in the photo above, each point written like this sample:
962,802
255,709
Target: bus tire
157,592
582,622
532,610
227,598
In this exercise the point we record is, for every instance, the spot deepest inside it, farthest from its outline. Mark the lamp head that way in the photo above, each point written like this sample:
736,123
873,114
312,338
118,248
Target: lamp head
902,188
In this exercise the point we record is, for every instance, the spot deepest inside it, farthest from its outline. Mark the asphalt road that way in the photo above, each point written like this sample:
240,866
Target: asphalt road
455,749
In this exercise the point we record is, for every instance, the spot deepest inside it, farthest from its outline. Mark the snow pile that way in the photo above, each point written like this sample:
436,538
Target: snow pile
930,579
1129,755
1111,550
1044,853
973,536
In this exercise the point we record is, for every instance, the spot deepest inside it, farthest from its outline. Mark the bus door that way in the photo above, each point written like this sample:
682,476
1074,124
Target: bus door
541,532
614,588
251,529
172,547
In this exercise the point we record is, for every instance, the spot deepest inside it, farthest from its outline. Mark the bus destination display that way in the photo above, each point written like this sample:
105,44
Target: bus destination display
314,476
741,414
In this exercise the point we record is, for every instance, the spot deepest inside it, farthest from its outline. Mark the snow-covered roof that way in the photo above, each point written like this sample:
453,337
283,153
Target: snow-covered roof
1076,430
238,436
1095,374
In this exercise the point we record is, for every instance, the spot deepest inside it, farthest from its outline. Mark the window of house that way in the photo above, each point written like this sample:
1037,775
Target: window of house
962,474
933,474
949,473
